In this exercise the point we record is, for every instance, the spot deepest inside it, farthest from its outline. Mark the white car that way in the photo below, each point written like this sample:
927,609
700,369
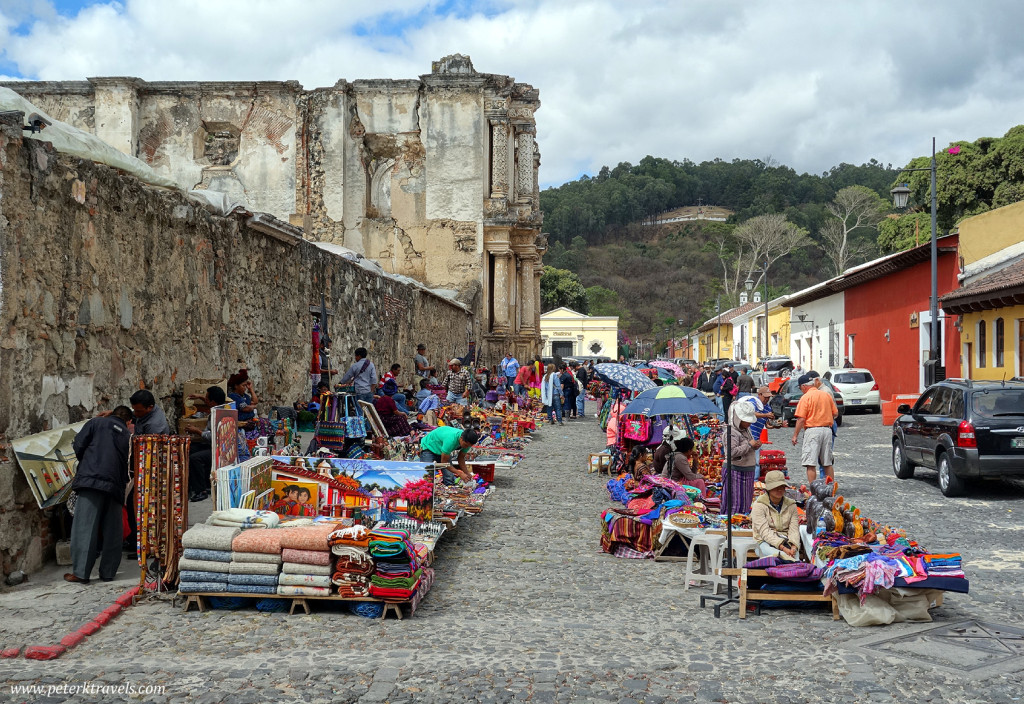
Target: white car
858,387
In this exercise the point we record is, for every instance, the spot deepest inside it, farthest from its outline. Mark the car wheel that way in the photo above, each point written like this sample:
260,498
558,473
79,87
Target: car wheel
900,466
839,420
949,483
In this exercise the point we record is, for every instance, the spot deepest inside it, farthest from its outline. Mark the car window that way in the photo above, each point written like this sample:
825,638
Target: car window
927,401
999,402
853,378
778,364
956,403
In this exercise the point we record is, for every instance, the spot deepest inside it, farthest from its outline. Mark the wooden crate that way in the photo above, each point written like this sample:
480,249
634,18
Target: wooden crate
599,462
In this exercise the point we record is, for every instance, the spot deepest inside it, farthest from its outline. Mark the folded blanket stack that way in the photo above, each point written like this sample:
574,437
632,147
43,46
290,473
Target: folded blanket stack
243,518
255,561
426,582
205,562
306,560
397,571
950,565
353,565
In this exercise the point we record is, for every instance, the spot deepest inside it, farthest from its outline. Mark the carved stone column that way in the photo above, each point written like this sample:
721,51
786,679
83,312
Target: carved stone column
526,288
499,158
537,273
500,290
524,166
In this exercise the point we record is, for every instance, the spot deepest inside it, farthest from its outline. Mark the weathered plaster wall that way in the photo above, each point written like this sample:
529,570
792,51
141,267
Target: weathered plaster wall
107,285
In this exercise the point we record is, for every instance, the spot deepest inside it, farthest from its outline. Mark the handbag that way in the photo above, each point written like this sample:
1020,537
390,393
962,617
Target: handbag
657,431
636,428
355,423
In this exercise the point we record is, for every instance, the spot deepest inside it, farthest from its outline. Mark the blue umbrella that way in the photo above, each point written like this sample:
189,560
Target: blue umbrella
672,401
624,376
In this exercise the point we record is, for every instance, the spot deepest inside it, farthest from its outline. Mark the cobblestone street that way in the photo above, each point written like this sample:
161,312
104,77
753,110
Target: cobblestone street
526,607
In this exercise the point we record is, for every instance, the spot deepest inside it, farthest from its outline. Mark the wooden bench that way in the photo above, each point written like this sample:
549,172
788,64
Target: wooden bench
747,594
199,601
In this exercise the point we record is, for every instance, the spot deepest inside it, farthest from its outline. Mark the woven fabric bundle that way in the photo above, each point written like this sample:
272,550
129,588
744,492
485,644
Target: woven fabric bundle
209,537
258,580
259,541
252,568
201,554
312,537
202,587
202,565
306,557
286,590
299,568
304,580
263,557
193,576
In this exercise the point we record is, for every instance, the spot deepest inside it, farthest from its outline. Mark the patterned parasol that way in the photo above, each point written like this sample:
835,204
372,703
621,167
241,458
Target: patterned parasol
624,376
674,368
672,401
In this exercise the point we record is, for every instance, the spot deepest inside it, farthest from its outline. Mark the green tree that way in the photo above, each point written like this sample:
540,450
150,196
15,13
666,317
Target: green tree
561,287
604,301
897,233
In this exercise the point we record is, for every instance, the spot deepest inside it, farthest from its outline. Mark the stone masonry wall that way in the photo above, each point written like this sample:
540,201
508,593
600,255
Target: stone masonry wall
108,286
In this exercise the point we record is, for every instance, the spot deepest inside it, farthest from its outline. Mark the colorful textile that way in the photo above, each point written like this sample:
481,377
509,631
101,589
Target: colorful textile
391,594
201,554
738,489
305,580
266,558
312,537
629,532
209,537
193,576
763,563
261,541
202,565
306,557
356,536
796,572
291,590
256,580
301,568
631,554
253,568
352,590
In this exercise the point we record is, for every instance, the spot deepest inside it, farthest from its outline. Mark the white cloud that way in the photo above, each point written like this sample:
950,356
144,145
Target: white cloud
812,85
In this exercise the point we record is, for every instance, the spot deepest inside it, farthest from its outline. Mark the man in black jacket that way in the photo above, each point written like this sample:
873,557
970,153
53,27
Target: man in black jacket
103,450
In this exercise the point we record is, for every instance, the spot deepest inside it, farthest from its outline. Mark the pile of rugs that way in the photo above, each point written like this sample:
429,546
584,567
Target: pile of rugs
354,566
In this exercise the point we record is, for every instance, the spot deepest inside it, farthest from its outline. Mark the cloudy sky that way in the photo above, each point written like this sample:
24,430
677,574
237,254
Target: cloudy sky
810,84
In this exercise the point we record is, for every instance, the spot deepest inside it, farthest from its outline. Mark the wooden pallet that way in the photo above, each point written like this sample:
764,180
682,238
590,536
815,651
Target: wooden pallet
198,600
747,594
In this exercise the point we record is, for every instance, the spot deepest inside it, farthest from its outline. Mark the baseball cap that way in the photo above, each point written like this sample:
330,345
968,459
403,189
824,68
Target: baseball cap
805,380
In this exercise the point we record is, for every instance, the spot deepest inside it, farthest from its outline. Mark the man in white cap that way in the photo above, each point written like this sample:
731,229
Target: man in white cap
775,521
458,382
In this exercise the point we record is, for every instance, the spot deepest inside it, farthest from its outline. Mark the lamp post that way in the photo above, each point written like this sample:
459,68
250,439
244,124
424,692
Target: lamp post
718,350
900,195
749,285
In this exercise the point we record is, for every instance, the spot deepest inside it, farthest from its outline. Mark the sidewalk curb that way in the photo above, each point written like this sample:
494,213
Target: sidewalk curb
72,639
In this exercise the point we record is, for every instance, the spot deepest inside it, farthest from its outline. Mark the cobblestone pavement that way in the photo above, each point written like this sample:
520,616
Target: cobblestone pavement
527,608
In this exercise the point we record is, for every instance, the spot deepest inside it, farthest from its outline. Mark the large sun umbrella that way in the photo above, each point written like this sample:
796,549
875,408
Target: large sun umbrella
672,367
624,376
671,401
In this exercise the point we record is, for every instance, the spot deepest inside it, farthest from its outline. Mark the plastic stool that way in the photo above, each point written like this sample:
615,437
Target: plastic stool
741,547
713,544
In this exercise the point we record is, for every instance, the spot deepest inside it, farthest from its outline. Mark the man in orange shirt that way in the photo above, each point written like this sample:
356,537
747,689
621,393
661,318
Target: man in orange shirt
815,414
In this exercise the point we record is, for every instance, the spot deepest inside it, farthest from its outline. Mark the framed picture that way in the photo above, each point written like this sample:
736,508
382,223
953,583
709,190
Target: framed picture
224,424
373,419
295,498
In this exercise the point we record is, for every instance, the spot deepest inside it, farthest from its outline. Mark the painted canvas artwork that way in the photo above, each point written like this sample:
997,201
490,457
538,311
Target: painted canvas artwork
295,498
225,436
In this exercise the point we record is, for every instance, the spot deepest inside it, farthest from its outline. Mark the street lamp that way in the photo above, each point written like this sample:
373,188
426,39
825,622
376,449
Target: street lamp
749,285
900,195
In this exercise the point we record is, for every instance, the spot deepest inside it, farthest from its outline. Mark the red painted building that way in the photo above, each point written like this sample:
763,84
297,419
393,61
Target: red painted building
888,319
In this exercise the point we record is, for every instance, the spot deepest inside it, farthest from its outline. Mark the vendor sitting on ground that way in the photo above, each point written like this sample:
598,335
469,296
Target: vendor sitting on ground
676,458
395,422
438,446
775,522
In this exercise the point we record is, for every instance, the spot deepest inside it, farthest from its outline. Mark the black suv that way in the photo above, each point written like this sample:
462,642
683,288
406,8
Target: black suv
964,429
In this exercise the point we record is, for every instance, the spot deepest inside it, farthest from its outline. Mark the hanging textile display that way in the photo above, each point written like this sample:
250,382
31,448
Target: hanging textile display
161,502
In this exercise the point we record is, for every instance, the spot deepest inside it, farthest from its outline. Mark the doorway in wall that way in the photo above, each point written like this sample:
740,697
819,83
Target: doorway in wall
561,349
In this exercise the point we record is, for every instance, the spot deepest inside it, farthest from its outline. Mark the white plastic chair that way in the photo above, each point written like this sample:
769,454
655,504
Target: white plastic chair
709,562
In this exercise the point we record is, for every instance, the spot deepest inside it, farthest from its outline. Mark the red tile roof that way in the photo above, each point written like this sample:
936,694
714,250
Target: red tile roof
1001,288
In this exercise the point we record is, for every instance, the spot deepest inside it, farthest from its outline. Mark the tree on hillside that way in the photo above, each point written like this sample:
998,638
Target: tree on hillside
897,233
561,287
855,211
757,242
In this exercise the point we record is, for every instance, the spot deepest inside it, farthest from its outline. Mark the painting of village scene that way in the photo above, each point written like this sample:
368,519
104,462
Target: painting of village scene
352,482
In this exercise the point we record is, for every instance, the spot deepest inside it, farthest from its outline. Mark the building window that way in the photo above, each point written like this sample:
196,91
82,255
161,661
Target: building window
982,344
997,353
849,348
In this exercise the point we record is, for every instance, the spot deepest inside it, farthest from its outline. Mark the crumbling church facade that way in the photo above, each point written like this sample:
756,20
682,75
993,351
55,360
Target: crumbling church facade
434,179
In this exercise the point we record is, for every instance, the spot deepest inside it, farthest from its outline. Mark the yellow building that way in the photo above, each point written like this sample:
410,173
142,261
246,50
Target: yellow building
715,337
990,300
778,331
566,333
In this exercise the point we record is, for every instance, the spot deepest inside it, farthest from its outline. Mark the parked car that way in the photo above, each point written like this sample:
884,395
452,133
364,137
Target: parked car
783,404
858,386
738,367
963,429
774,365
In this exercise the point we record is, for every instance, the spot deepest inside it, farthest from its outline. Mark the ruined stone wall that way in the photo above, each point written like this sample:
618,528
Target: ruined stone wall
107,285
